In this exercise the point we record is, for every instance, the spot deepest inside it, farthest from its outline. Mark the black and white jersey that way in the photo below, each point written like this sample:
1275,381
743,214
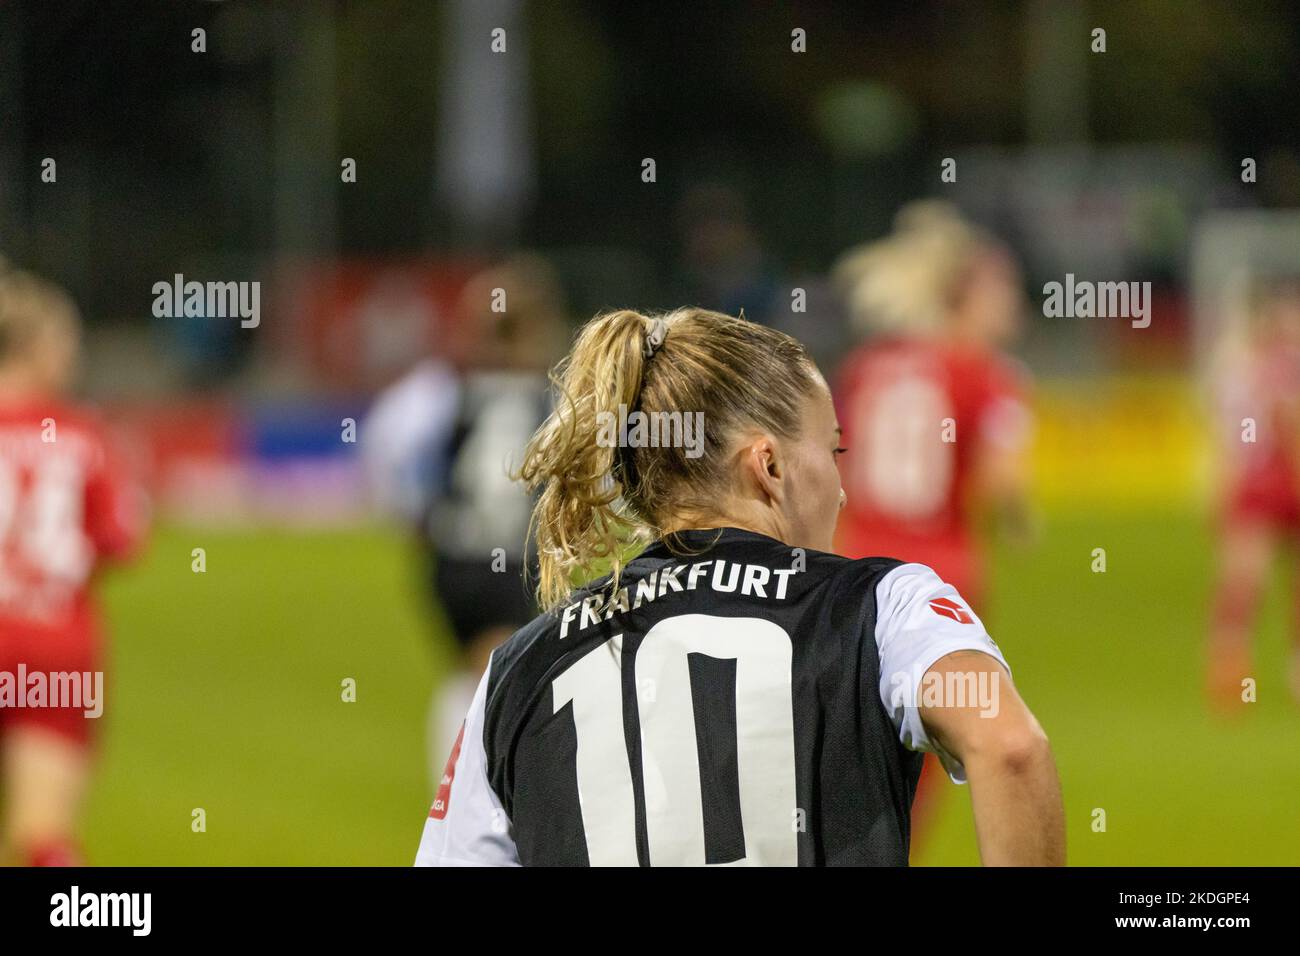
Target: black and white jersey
736,701
478,507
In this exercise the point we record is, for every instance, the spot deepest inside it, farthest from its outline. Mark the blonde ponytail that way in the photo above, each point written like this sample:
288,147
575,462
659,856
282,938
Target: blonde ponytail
596,498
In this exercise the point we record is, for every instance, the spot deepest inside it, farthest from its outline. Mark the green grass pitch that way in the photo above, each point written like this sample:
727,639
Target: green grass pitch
224,694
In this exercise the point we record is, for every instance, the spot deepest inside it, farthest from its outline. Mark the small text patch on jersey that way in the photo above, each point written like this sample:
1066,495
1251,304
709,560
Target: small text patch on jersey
443,797
949,608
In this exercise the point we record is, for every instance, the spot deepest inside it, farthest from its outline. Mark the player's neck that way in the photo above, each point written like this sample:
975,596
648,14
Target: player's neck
965,337
18,385
758,524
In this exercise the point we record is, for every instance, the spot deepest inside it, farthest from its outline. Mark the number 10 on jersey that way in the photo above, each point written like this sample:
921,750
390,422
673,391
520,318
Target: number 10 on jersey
670,758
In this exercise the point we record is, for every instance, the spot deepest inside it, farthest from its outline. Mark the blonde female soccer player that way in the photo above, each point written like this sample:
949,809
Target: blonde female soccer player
936,412
736,694
65,508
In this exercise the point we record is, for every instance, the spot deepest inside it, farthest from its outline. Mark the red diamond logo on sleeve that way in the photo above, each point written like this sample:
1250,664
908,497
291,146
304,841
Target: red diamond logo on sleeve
950,608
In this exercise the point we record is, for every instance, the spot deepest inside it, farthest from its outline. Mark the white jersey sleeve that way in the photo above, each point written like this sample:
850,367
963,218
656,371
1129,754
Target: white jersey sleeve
403,438
467,824
919,619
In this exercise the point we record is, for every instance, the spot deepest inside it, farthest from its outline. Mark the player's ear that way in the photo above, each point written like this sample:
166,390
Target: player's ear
765,467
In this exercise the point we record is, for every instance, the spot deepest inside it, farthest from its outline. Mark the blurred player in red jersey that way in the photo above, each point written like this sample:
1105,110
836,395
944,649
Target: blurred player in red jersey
934,414
1256,381
64,507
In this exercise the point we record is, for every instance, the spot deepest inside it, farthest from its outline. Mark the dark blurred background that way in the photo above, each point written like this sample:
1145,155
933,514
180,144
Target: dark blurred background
228,160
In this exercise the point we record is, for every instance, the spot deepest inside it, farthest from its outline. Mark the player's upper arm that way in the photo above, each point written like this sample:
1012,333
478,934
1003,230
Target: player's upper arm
992,727
921,620
115,507
1005,427
467,825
